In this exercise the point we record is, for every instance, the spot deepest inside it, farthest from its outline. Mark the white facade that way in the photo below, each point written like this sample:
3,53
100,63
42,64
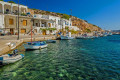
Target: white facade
44,22
56,22
11,8
1,21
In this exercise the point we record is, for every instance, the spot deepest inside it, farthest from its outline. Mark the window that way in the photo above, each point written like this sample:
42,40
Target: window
23,31
49,24
37,24
10,21
24,22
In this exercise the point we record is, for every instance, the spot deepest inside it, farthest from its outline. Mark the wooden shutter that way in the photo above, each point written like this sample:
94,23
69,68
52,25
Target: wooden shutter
24,22
23,30
11,21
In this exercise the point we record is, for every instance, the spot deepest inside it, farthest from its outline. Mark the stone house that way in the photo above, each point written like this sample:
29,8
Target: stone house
11,24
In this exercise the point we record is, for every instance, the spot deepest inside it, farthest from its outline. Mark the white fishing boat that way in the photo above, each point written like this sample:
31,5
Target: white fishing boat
67,37
10,58
35,45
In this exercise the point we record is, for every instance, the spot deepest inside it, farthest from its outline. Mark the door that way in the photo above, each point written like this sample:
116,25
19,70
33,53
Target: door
23,31
44,32
35,30
11,31
49,24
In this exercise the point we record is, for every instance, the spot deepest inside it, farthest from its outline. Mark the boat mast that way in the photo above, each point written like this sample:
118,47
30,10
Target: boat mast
31,30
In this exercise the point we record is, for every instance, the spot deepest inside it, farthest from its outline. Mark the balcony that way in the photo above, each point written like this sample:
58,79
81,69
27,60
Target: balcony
41,16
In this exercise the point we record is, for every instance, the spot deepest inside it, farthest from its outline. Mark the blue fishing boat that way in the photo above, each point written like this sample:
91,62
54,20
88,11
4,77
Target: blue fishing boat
35,45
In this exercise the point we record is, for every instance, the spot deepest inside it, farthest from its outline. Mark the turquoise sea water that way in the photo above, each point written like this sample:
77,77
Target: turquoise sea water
87,59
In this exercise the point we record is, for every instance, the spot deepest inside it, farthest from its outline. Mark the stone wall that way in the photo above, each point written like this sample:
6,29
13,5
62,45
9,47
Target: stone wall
14,26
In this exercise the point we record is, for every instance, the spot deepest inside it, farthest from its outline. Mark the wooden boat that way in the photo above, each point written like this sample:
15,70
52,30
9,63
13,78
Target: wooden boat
10,58
51,41
35,45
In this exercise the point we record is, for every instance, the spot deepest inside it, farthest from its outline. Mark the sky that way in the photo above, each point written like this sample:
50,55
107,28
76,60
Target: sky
103,13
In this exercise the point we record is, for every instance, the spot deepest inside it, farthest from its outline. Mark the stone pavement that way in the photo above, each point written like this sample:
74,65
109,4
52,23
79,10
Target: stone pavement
8,43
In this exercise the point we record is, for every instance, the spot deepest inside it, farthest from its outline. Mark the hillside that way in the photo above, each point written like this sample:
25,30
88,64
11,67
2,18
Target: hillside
82,24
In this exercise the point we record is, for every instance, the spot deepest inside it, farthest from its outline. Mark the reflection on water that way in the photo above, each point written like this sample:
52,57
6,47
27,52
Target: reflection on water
90,59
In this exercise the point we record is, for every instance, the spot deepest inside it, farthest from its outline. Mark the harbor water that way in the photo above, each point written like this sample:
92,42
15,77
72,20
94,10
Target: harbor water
77,59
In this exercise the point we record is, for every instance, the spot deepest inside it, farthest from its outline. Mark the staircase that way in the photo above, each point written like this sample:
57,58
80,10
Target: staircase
33,28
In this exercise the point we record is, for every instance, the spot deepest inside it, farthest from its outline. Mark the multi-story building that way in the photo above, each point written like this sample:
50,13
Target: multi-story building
8,16
41,24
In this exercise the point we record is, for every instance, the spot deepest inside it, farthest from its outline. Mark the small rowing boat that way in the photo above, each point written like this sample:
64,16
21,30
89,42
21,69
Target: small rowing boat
10,58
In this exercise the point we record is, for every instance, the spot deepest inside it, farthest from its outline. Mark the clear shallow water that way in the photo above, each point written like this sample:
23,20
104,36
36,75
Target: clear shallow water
90,59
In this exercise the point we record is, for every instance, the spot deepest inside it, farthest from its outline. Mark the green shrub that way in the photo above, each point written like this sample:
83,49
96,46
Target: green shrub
23,14
73,32
88,30
11,2
67,28
47,12
65,16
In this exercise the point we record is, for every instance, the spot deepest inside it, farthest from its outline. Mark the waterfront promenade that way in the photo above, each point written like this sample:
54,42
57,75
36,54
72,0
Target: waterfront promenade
7,43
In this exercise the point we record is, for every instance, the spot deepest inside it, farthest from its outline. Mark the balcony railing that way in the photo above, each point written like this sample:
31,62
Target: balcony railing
41,16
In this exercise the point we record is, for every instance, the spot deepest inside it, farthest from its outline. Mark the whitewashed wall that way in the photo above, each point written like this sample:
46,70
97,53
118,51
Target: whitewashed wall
1,21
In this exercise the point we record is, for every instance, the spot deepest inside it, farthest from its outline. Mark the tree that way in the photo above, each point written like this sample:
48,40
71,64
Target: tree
1,0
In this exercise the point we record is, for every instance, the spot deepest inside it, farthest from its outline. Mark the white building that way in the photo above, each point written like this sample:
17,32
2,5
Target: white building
42,24
1,21
10,9
48,21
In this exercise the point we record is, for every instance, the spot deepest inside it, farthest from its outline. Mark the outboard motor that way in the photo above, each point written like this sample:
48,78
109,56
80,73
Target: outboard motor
1,60
15,51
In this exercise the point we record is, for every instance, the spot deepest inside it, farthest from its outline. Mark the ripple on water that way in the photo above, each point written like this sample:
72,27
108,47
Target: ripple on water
96,59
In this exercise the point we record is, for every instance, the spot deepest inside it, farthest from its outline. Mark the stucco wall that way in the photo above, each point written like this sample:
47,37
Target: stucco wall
1,21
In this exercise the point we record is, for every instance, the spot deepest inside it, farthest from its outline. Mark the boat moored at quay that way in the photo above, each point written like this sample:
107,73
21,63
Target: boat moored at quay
35,45
10,58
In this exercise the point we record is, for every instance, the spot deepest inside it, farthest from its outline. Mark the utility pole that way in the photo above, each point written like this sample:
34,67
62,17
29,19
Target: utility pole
18,20
71,12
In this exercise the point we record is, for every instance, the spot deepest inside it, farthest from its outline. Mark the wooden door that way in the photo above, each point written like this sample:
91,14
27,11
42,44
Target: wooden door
44,32
35,30
11,31
23,31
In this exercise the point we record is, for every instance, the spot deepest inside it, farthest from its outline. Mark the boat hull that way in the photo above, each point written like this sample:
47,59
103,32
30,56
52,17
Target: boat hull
9,60
33,47
66,38
51,41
